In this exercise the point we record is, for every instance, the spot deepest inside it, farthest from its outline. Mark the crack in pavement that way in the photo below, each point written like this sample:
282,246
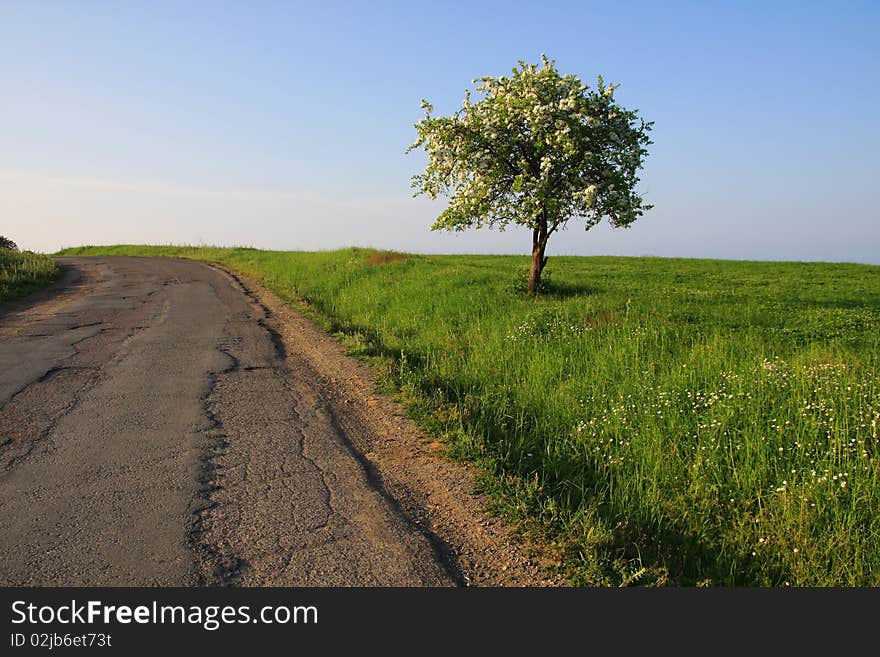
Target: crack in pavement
216,568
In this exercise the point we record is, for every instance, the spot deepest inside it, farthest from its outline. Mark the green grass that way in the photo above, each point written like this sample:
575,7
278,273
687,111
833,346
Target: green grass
22,273
655,421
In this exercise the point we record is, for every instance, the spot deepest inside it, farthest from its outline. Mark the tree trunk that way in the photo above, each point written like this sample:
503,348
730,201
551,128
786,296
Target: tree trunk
539,244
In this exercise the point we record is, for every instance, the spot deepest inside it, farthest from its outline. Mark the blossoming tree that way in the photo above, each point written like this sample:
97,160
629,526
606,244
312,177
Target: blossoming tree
537,150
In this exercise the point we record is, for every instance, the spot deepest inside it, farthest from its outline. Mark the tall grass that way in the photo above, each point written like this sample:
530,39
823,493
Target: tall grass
660,421
22,273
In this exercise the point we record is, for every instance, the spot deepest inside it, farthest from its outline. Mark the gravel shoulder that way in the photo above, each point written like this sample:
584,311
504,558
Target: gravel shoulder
434,492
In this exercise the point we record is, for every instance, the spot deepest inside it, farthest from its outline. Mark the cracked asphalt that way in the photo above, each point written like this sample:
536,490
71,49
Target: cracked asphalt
153,432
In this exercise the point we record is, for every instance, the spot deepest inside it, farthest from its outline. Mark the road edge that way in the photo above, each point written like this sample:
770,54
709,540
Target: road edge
434,492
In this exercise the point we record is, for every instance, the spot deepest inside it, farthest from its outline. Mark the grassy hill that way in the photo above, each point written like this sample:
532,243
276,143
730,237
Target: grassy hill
22,273
655,421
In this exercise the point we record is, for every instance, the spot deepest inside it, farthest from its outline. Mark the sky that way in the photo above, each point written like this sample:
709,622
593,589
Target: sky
284,125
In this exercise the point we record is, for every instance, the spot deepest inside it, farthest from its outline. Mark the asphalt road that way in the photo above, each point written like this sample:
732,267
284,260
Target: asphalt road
153,432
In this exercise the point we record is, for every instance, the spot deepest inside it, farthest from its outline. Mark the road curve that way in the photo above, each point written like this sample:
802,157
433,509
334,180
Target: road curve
153,433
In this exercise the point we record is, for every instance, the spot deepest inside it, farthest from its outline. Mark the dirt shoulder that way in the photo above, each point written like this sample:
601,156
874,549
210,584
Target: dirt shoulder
431,490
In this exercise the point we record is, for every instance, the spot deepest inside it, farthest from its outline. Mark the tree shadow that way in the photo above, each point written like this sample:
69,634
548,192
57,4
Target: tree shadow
554,290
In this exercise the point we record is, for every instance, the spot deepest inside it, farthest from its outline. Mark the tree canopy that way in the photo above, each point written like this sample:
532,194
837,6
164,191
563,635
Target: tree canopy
536,149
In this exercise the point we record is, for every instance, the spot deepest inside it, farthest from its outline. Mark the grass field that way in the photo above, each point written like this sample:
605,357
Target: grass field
654,421
22,273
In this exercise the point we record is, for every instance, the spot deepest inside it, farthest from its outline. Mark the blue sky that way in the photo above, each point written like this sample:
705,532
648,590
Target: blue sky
283,125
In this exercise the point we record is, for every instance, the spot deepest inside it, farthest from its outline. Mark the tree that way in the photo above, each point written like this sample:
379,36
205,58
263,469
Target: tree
6,243
536,150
